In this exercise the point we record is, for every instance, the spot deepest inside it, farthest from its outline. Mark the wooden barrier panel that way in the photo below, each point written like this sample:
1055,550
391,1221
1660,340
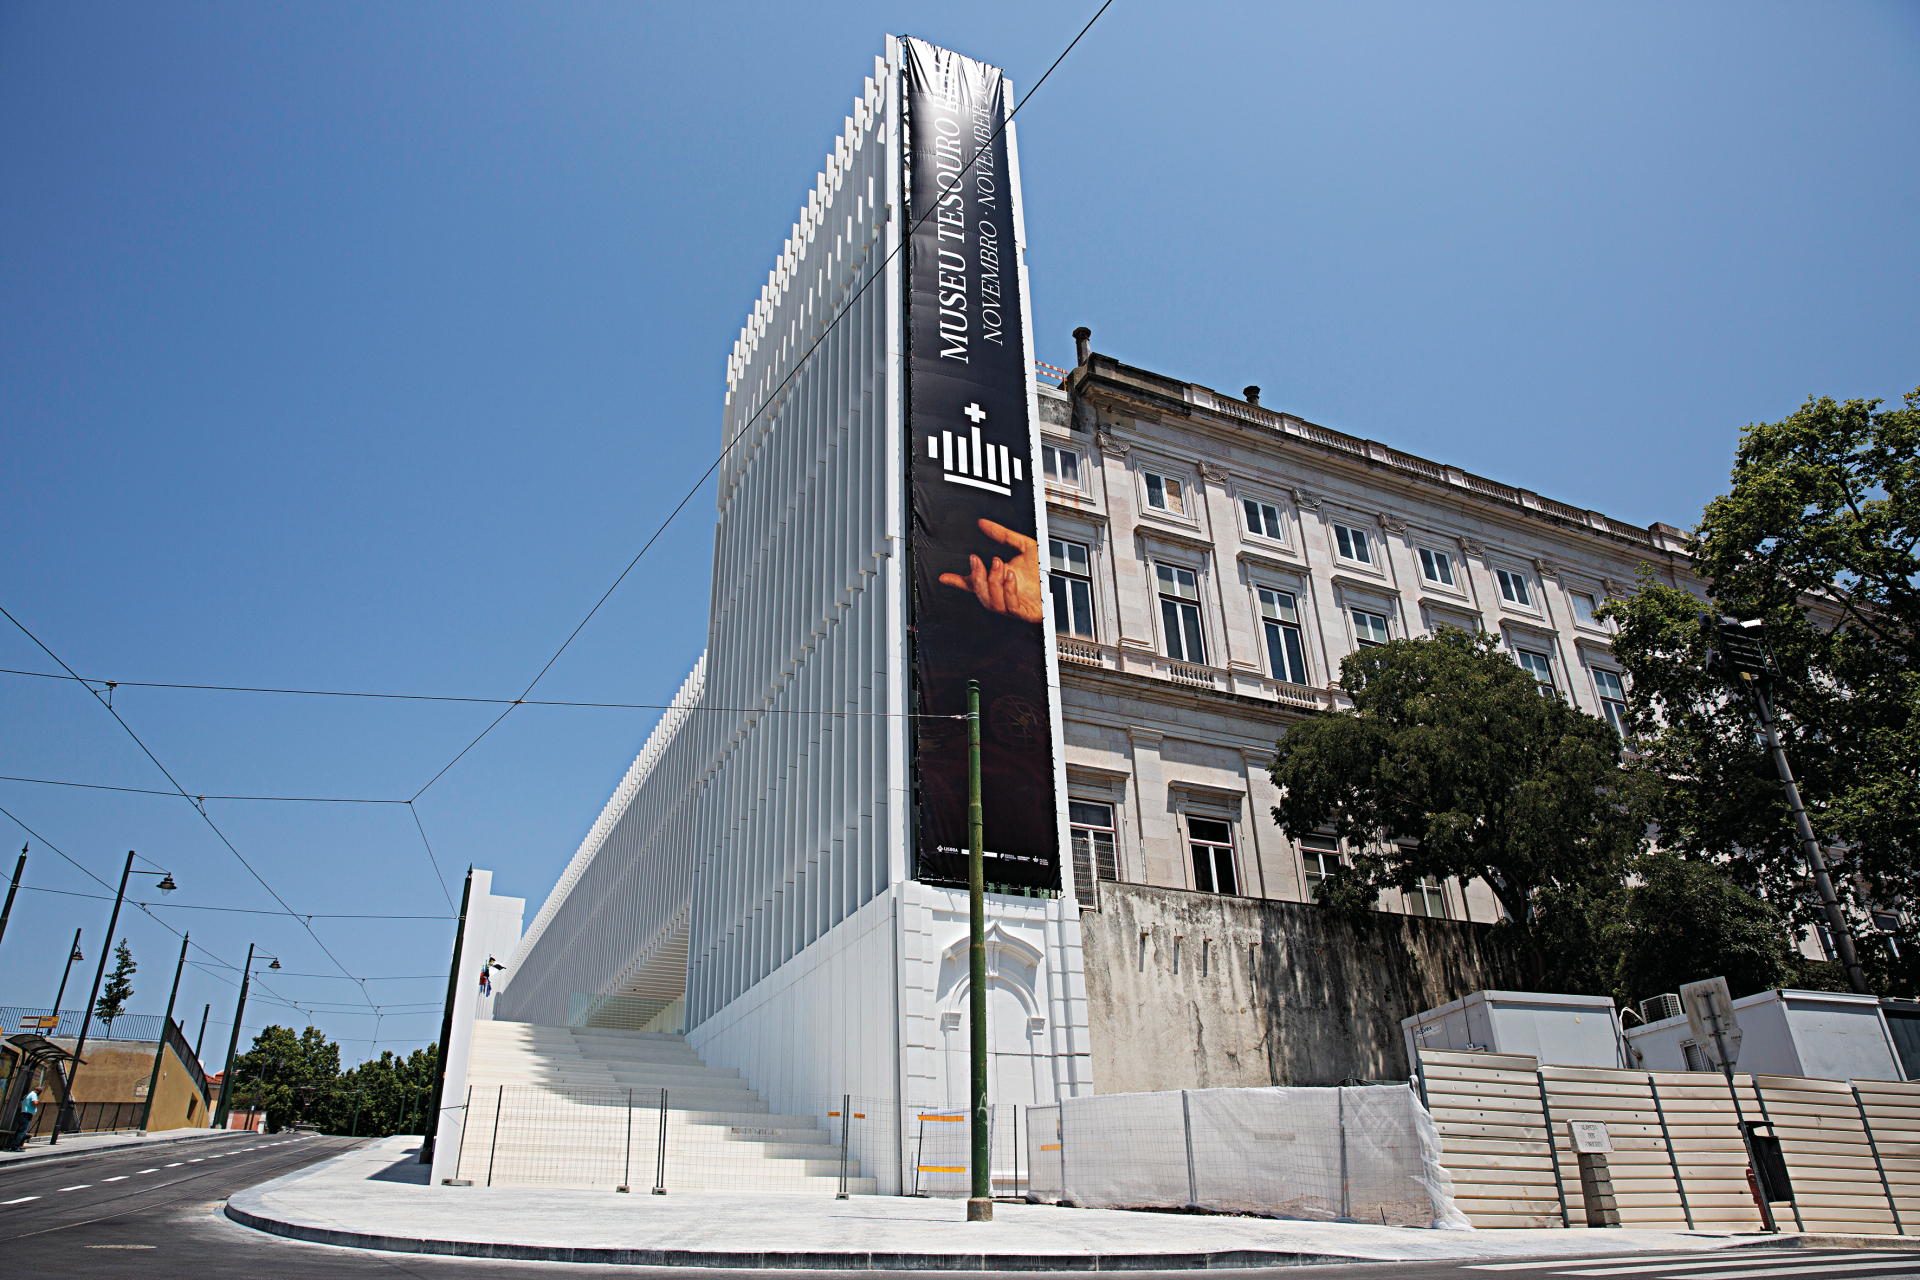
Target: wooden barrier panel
1493,1137
1836,1180
1679,1160
1892,1116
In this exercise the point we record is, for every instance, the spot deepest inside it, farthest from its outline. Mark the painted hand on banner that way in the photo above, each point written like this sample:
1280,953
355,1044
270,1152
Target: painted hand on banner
1012,588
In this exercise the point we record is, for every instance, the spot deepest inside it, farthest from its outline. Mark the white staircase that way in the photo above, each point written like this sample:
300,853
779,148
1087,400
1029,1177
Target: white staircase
548,1106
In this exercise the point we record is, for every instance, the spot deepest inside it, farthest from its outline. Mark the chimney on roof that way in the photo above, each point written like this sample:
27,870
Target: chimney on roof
1082,344
1252,394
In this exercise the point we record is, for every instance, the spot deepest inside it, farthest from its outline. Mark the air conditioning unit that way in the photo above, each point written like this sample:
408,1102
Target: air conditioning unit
1657,1008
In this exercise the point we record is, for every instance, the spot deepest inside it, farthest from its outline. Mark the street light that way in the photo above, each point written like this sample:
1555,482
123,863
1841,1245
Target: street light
233,1041
86,1016
1736,653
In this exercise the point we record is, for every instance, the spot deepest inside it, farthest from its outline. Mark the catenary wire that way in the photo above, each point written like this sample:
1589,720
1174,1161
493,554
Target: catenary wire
772,397
88,872
90,681
211,825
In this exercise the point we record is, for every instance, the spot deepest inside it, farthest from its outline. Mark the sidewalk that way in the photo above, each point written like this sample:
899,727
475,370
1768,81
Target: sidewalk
377,1197
81,1144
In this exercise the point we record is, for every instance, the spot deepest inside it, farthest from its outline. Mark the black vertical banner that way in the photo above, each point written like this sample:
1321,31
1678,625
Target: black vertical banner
978,595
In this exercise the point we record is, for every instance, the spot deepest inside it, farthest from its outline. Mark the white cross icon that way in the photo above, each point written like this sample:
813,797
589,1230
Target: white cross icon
975,412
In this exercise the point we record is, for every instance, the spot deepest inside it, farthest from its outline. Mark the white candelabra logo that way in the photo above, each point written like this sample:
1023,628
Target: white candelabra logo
967,460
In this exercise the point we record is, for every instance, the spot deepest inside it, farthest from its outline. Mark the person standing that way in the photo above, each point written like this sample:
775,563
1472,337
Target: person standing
29,1109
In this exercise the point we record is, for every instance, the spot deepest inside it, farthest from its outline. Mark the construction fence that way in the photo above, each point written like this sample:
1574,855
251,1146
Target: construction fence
1680,1145
636,1140
1361,1154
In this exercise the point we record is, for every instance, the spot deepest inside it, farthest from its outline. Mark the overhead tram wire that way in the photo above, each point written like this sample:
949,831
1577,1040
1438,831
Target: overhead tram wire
799,364
199,809
247,911
434,697
88,872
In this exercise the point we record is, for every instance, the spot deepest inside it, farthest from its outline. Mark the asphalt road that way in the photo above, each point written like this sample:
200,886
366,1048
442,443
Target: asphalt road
157,1213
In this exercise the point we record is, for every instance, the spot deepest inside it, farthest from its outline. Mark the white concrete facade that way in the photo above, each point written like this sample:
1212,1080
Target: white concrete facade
751,878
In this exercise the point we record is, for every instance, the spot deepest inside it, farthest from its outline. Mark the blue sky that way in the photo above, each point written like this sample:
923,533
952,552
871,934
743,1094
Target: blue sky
361,346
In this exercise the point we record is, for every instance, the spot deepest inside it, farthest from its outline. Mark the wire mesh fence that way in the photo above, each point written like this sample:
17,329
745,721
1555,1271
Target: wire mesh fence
1359,1154
88,1117
636,1140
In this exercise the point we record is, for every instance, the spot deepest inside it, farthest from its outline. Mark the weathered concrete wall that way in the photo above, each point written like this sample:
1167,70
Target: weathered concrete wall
1194,990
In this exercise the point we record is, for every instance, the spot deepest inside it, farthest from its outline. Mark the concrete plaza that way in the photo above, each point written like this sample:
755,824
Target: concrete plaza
377,1197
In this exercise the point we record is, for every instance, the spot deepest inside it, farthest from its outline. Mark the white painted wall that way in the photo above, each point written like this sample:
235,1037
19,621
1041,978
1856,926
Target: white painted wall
877,1008
496,934
488,918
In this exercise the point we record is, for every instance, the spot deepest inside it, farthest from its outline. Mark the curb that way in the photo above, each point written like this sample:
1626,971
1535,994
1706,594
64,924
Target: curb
1229,1259
54,1155
1818,1240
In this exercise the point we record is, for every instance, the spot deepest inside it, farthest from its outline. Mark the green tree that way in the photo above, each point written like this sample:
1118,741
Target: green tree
1452,765
1819,536
1683,920
112,1003
385,1095
287,1075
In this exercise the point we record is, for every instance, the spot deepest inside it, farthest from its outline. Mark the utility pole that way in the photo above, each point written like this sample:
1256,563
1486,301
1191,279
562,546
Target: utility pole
201,1039
233,1044
1735,653
980,1203
86,1015
166,1023
19,869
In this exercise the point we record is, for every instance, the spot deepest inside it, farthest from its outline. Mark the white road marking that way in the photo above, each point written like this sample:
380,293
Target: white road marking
146,1171
21,1200
1771,1256
117,1178
195,1160
176,1164
1837,1264
1636,1257
81,1187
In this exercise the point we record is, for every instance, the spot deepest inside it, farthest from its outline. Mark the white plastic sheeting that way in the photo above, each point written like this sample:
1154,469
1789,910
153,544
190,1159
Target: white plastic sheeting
1362,1154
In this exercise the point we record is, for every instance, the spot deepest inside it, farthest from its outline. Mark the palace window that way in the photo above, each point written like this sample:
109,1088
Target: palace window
1281,622
1353,544
1583,610
1071,585
1540,668
1436,566
1613,698
1062,466
1212,845
1164,493
1428,899
1090,828
1369,629
1319,856
1263,519
1180,613
1513,588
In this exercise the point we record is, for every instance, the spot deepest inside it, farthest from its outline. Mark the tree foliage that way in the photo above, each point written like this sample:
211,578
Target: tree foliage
297,1080
1681,920
112,1003
1819,536
1452,765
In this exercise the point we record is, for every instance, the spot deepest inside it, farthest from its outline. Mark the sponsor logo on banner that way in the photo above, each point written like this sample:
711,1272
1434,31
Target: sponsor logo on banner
978,596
